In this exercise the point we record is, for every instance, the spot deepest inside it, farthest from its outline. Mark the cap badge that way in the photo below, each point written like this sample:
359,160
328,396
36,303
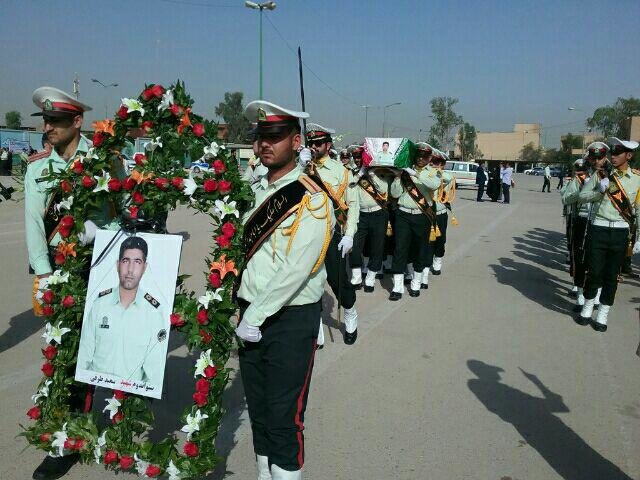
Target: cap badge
262,115
48,105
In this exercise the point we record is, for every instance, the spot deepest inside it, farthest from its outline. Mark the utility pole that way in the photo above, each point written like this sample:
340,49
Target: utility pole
76,86
366,110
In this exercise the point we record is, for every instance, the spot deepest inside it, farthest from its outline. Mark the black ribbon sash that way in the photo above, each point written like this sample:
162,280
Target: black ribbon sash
368,186
620,200
417,196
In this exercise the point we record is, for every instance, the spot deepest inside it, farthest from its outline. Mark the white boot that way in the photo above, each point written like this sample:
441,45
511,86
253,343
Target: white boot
597,299
587,311
356,276
414,288
398,286
601,319
424,280
580,297
437,265
263,467
278,473
369,281
350,319
320,341
574,289
408,276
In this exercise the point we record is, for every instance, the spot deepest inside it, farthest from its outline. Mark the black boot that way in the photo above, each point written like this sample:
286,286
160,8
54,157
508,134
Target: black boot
55,467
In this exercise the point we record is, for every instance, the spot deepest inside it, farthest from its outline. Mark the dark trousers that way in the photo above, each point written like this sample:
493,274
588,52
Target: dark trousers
372,229
276,373
607,251
480,191
505,191
578,254
412,237
337,276
546,184
442,221
560,182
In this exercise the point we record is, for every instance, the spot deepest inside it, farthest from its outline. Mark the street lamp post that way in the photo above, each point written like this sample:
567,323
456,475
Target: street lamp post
366,118
384,115
584,129
261,7
94,80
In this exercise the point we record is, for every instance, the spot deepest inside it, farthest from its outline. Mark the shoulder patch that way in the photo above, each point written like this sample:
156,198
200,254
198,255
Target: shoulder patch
310,185
151,300
105,292
38,156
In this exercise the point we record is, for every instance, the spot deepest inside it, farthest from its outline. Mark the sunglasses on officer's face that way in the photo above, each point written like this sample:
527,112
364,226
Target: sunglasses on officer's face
615,151
316,143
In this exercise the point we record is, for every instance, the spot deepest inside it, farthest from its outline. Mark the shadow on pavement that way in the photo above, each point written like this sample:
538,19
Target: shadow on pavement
533,417
21,327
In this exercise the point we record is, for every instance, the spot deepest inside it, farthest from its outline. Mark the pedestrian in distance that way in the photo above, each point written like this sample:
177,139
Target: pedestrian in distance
481,178
547,179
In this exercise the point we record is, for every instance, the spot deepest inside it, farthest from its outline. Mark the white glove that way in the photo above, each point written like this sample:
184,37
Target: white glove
604,184
305,156
636,247
345,245
410,171
43,283
248,333
362,172
88,234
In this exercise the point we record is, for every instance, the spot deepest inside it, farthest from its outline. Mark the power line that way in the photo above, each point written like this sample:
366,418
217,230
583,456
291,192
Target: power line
201,4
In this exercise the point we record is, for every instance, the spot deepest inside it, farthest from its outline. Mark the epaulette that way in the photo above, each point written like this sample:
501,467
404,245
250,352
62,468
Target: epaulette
105,292
38,156
311,186
636,171
151,300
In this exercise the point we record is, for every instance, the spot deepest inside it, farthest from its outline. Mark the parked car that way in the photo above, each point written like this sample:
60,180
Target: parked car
537,171
465,172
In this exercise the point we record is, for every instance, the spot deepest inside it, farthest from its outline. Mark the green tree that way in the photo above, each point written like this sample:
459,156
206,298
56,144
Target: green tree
446,120
531,154
232,112
571,141
13,119
467,137
557,156
614,119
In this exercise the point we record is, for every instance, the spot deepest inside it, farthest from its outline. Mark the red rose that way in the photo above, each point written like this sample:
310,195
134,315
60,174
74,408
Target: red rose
228,229
206,336
198,129
225,187
128,183
69,443
133,211
140,158
45,437
162,183
178,182
122,113
146,94
175,109
66,185
157,90
202,386
119,395
190,449
77,167
223,241
214,279
126,461
48,296
97,139
67,221
219,166
210,185
202,317
59,258
87,181
34,413
211,371
79,444
200,399
138,198
47,310
152,471
176,320
68,301
147,125
114,185
118,417
110,457
64,232
50,352
47,369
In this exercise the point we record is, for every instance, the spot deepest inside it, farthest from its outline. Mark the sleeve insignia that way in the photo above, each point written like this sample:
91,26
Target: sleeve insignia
151,300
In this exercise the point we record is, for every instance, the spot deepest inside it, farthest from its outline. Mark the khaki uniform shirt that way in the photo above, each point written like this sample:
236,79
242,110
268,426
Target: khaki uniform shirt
571,194
365,200
427,180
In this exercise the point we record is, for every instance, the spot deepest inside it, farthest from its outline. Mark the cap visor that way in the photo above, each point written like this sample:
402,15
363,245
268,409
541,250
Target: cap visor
55,113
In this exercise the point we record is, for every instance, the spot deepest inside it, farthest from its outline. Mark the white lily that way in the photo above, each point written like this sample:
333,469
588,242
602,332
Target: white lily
55,334
65,204
193,423
133,105
211,151
210,296
58,441
190,186
222,208
58,277
173,472
113,406
43,392
141,465
166,101
91,154
203,362
102,441
153,144
103,182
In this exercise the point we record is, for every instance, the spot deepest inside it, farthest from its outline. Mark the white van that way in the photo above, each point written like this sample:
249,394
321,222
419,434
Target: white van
465,172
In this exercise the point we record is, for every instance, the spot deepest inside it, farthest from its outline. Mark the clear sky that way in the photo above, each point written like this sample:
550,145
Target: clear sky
507,61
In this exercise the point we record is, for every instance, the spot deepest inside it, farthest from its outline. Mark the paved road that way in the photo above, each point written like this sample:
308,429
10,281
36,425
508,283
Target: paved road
485,376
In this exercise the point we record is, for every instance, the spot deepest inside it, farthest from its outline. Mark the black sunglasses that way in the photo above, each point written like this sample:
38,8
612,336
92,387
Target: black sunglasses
316,143
618,150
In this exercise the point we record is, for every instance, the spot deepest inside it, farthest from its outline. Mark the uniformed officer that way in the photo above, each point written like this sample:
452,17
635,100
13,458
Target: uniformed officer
62,115
372,223
280,292
615,196
443,198
414,220
347,161
339,184
124,331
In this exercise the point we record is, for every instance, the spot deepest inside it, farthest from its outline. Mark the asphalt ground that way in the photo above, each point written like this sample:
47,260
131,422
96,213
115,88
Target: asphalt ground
484,376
